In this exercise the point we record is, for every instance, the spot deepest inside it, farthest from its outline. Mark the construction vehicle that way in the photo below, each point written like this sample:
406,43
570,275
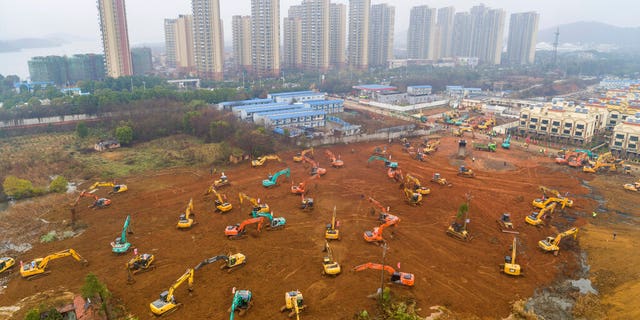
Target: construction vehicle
273,179
507,142
329,265
463,171
294,302
261,160
307,203
413,198
603,164
535,218
430,147
223,181
98,202
139,264
402,278
459,230
121,245
632,186
115,188
395,174
626,169
274,223
440,180
381,151
241,302
490,147
332,232
257,206
580,160
185,220
335,162
543,203
510,267
167,301
6,263
37,267
300,156
221,203
301,187
553,243
315,167
415,185
387,163
238,231
505,224
376,234
230,261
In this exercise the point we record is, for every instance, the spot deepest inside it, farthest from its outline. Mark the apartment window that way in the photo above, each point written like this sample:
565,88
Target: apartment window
614,116
578,133
545,121
532,126
524,116
632,146
633,138
618,144
580,126
566,131
568,125
534,119
556,123
543,128
554,130
523,123
619,136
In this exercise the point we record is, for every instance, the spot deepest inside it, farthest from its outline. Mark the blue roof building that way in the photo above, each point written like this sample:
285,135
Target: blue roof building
227,105
304,117
246,112
297,96
329,106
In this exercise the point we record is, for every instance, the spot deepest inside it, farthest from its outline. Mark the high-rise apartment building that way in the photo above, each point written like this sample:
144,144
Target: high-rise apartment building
487,34
241,30
115,38
142,61
315,35
420,38
178,37
358,47
381,21
337,34
461,38
265,37
170,42
208,39
523,34
65,70
292,38
445,32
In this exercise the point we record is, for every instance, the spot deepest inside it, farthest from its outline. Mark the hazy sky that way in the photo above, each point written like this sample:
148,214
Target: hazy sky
36,18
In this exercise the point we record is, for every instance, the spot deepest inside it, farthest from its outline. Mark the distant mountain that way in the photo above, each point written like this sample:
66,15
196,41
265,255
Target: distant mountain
593,33
28,43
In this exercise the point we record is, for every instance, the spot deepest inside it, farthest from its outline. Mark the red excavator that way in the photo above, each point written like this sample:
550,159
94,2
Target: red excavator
315,169
403,278
301,187
376,234
238,231
97,203
335,162
395,174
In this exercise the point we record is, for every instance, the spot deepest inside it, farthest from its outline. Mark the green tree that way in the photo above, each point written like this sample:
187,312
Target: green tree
462,210
93,288
82,130
59,185
17,188
34,102
33,314
124,134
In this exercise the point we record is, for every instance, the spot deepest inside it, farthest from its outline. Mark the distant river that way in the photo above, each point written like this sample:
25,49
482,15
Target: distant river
16,62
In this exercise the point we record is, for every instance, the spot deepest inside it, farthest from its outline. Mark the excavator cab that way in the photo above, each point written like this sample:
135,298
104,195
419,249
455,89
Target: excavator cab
505,222
6,263
138,264
306,203
241,302
294,302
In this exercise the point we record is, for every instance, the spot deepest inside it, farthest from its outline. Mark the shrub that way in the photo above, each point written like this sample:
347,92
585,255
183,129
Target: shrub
58,185
124,134
81,130
17,188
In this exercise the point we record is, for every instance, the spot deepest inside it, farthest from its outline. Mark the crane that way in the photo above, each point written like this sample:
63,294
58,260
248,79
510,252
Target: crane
553,243
257,206
535,218
230,261
185,220
301,187
238,231
329,265
261,160
138,264
38,266
301,155
121,245
167,302
376,234
315,167
115,188
335,162
294,302
273,179
6,263
416,186
220,203
332,232
242,301
97,203
510,267
387,162
402,278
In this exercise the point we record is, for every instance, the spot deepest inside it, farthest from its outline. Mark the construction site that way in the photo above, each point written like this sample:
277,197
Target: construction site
451,229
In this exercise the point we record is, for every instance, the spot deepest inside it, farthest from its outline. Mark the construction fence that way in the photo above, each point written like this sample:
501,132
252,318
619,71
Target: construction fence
390,135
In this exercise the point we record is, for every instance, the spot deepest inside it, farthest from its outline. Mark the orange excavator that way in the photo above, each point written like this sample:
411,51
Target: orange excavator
402,278
238,231
376,234
395,174
315,169
97,203
301,187
335,162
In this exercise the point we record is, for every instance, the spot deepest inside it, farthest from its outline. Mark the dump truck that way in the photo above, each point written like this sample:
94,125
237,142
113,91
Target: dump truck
491,147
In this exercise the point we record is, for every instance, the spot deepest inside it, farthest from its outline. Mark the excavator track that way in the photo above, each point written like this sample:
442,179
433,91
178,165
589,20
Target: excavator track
37,276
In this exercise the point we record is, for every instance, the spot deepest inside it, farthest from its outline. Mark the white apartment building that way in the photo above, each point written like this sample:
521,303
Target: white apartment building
569,124
625,138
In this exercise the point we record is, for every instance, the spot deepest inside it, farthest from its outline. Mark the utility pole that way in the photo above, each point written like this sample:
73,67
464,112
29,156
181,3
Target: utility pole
384,253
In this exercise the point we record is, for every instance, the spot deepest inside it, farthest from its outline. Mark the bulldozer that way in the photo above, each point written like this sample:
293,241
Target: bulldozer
440,180
294,303
261,160
238,231
632,186
241,302
231,261
6,263
300,156
115,188
463,171
220,202
505,224
335,162
535,218
329,265
167,302
401,278
552,244
332,232
138,264
121,245
37,267
459,230
185,220
510,267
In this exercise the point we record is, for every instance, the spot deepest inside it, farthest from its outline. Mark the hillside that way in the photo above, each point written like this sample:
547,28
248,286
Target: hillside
593,32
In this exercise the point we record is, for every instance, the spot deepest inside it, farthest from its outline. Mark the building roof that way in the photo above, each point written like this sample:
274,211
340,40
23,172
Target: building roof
245,102
322,102
420,87
374,87
296,93
297,113
268,107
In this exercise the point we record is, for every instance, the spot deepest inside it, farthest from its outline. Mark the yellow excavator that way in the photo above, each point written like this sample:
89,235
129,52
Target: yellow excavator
552,244
416,186
549,196
37,267
440,180
632,186
115,188
510,267
294,303
332,232
185,221
329,265
167,302
6,263
138,264
261,160
535,218
300,156
459,230
257,206
230,261
221,204
413,198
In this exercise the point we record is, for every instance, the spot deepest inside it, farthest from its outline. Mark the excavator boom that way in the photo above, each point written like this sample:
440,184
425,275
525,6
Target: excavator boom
167,301
403,278
38,266
273,180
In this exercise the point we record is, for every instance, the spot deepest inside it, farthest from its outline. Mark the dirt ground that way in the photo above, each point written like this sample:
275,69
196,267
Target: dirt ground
462,276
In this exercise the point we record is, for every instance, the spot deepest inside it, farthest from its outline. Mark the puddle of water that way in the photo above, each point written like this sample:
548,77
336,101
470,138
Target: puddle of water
584,285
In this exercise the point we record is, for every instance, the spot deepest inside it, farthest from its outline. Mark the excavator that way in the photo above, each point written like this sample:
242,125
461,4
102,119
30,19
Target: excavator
507,142
241,302
599,164
430,147
37,267
395,174
315,167
510,267
185,221
329,265
632,186
115,188
535,218
273,179
298,157
219,183
440,180
414,198
121,245
376,234
98,202
274,223
238,231
553,243
139,264
306,203
257,206
580,160
332,232
221,204
463,171
505,224
416,186
6,263
335,162
167,301
402,278
231,261
261,160
387,163
381,151
294,302
554,197
301,187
